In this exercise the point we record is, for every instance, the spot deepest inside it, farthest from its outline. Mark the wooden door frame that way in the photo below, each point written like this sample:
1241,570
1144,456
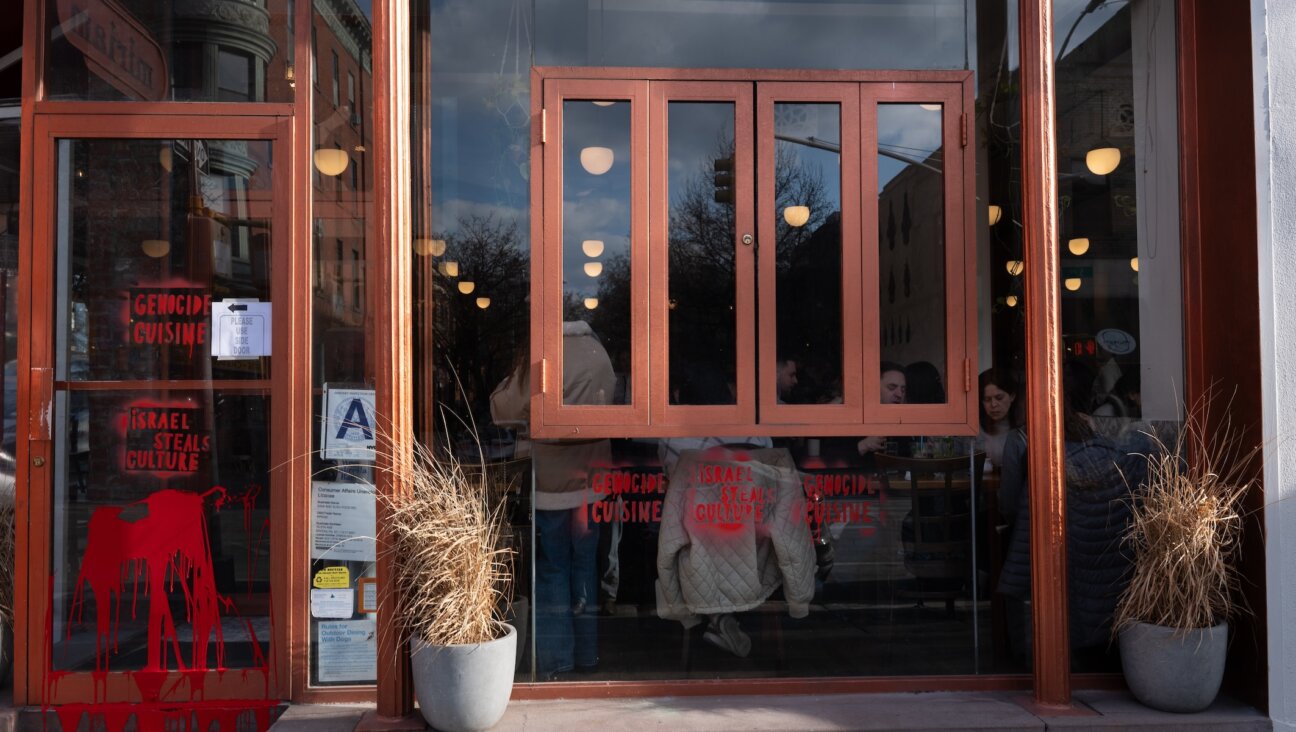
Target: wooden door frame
36,297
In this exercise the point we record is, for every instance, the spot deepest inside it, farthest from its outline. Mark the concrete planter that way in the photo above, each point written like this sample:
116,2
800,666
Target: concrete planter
1171,671
464,688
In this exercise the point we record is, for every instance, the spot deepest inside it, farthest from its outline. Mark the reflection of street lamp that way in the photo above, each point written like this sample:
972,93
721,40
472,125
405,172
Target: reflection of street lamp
467,286
156,248
434,247
449,269
1103,160
592,247
796,215
597,160
1072,283
331,160
1078,246
593,269
483,302
591,303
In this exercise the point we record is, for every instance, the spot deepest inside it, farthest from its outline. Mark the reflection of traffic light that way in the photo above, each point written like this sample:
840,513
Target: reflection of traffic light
724,180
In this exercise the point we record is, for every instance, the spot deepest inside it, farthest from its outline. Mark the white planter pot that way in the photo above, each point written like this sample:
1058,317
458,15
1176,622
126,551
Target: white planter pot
1174,672
464,688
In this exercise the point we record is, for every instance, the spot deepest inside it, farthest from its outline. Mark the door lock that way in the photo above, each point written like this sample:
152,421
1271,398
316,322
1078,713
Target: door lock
748,239
38,461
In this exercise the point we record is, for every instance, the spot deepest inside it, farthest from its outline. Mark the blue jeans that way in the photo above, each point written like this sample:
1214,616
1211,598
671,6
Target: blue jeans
566,590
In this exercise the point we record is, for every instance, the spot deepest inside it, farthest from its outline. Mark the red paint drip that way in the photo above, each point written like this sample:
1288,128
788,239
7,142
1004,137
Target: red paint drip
170,547
162,544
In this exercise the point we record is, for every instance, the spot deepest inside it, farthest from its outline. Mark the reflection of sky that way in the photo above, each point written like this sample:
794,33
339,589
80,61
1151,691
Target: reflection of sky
594,206
907,130
881,34
699,133
822,122
483,50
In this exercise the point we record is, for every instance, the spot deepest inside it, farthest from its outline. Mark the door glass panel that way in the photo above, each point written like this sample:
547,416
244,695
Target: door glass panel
157,231
808,253
160,496
596,251
702,277
911,253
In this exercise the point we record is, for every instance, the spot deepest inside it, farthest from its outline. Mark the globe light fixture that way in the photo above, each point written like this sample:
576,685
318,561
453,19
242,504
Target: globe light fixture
1134,264
483,302
1103,160
604,103
1015,267
591,303
931,107
593,269
1072,283
592,247
433,247
995,213
1011,301
156,248
449,269
597,160
331,160
467,286
796,215
1078,246
166,157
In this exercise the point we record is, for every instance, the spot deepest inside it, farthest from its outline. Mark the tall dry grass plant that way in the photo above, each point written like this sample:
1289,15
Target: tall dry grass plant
1186,526
7,559
450,540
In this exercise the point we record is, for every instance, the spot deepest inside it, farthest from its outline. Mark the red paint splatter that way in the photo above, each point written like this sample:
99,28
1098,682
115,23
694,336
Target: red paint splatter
161,544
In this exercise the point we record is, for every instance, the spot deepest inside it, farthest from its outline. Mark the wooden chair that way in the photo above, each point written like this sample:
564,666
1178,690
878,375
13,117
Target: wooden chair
939,534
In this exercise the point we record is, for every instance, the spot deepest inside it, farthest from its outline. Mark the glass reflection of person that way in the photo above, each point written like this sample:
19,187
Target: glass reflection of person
1099,474
893,391
566,563
998,392
786,378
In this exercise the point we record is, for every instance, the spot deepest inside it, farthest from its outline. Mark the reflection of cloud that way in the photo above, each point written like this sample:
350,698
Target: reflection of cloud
446,215
907,130
884,34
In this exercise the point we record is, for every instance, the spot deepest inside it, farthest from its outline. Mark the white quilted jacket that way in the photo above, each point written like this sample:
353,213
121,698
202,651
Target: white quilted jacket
733,529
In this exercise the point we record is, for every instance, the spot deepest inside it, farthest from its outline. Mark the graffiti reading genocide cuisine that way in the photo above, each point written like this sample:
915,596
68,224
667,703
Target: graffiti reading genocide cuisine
170,316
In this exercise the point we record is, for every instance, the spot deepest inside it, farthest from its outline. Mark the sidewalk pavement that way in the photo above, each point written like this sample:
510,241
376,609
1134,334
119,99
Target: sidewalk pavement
1103,711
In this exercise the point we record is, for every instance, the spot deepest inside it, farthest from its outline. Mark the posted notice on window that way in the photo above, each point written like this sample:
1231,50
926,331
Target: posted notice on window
342,521
348,424
240,329
348,650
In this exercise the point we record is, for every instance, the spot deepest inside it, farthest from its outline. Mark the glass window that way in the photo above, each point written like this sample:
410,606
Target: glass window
162,493
1122,311
137,50
901,563
341,560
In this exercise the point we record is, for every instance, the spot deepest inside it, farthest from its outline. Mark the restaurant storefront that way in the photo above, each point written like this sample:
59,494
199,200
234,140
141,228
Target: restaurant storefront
628,253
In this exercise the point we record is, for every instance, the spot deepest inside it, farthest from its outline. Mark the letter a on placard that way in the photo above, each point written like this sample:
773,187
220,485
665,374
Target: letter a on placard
355,419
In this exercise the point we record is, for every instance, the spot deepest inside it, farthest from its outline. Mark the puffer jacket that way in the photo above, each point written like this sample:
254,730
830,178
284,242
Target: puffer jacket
733,530
1101,475
562,468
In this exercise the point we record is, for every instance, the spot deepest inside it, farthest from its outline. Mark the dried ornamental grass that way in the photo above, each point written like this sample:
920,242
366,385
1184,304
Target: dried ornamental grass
453,563
1186,527
6,560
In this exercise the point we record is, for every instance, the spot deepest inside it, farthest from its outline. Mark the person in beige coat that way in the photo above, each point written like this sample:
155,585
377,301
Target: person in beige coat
566,541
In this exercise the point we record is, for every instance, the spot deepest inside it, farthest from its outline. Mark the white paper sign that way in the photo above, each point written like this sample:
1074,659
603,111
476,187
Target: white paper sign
348,424
332,603
348,650
240,329
342,521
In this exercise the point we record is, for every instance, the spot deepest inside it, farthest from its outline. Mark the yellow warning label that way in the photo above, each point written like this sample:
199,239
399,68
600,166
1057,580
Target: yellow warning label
333,578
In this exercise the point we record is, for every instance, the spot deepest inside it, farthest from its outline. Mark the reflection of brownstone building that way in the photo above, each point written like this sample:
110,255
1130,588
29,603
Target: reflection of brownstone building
340,77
